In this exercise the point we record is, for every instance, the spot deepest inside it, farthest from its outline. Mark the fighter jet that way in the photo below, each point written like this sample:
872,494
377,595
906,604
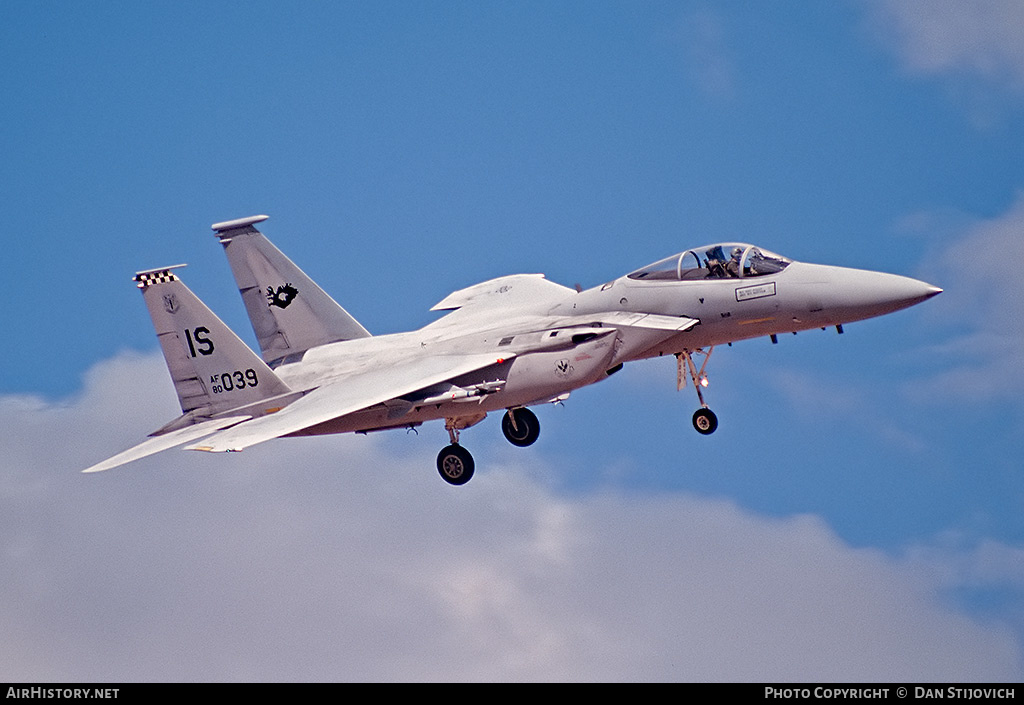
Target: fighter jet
507,344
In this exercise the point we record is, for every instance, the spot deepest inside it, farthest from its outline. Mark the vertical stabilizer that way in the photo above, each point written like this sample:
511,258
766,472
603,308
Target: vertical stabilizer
289,312
212,369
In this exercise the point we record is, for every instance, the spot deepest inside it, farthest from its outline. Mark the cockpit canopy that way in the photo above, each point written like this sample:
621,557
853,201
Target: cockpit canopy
722,261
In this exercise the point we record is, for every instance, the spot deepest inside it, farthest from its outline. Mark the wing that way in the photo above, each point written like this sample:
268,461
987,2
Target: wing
345,396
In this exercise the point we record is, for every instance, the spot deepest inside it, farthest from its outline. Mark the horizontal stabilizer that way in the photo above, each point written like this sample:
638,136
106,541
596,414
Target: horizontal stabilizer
156,444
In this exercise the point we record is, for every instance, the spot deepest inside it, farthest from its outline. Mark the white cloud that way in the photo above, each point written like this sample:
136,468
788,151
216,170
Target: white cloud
336,559
980,39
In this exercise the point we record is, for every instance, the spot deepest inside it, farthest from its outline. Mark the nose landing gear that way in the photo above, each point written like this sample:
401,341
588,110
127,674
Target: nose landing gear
704,419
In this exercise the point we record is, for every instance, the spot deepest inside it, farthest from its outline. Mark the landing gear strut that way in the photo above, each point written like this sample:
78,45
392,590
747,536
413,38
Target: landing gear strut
704,419
520,427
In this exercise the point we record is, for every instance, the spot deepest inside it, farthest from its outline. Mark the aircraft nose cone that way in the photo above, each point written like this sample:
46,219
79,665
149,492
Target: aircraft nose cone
914,291
855,294
880,293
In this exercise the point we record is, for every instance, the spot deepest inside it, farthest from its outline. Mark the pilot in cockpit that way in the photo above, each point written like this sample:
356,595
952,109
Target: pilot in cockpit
733,265
715,262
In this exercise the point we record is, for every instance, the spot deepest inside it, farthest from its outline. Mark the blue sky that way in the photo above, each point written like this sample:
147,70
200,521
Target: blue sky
856,517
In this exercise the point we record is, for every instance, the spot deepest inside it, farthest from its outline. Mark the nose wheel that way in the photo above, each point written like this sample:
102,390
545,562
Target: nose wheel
704,419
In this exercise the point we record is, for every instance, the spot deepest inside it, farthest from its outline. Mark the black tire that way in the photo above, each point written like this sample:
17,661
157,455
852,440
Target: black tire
705,421
526,430
455,465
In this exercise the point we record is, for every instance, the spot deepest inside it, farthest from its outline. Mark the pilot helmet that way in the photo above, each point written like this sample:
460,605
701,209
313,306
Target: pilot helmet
737,251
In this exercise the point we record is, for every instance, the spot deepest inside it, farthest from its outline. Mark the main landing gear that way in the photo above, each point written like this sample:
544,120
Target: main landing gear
520,427
455,464
704,419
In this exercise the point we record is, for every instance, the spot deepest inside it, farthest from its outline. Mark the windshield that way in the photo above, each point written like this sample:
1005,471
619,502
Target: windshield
724,261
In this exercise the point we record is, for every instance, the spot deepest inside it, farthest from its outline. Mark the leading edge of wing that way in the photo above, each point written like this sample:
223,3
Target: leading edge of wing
155,444
345,396
652,321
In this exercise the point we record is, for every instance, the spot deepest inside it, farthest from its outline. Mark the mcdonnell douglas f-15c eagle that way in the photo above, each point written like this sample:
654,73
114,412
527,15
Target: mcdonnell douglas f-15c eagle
508,343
